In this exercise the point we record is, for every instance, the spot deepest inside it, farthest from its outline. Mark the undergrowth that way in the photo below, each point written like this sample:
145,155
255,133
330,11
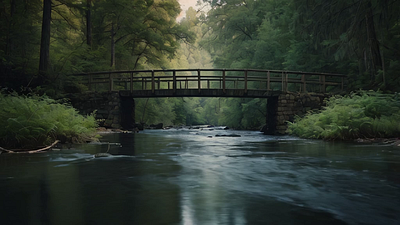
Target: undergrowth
364,114
35,121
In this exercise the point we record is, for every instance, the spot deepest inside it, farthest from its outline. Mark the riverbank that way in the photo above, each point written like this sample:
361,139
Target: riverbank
395,142
361,115
33,122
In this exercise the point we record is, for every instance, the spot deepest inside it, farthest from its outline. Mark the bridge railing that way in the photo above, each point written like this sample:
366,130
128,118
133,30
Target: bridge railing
223,79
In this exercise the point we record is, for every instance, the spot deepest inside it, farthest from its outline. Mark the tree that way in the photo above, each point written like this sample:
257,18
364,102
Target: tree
45,39
154,33
89,22
349,31
18,56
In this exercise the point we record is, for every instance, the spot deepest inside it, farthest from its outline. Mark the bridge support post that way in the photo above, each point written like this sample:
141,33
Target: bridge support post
153,85
127,112
174,81
223,81
272,108
131,82
111,82
199,80
245,81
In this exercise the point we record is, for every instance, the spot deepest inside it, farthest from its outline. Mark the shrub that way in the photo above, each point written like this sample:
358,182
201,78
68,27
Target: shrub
364,114
34,121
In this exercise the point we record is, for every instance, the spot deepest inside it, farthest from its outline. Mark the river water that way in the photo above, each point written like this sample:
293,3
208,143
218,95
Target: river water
193,177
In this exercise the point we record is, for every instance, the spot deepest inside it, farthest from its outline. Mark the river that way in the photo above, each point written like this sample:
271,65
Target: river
193,177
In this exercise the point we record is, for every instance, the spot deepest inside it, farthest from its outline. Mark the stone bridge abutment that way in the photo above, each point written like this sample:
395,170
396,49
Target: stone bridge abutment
287,105
113,109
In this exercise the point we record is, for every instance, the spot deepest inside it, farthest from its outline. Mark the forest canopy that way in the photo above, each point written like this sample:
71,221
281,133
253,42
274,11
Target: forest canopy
359,38
44,41
41,41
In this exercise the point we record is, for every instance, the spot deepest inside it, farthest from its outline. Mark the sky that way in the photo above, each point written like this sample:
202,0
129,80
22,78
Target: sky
185,4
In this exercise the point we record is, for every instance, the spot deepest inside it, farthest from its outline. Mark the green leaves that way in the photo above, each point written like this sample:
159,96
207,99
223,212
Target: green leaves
361,114
30,122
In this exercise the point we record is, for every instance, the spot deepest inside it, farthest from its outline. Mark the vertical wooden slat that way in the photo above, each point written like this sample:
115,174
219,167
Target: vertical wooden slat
286,81
208,84
125,83
245,81
198,81
158,84
223,81
186,83
283,82
342,83
323,84
303,79
269,81
90,82
320,83
152,82
131,89
142,82
111,81
174,80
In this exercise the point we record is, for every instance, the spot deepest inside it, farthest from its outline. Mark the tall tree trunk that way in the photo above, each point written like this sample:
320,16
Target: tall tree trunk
112,45
10,45
373,42
45,40
89,23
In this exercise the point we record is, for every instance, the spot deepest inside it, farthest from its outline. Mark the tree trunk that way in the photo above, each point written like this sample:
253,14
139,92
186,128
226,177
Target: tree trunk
45,39
89,23
10,44
373,42
112,46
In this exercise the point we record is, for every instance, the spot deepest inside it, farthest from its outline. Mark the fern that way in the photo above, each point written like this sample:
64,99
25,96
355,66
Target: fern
358,115
34,121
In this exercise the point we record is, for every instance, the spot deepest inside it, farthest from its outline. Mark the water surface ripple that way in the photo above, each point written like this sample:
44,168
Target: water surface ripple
193,177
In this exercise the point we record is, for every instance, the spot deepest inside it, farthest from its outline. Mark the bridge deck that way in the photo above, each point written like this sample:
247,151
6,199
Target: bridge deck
203,93
211,82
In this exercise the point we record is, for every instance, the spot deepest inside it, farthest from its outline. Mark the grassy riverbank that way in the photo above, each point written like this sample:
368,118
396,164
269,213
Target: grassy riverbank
34,121
364,114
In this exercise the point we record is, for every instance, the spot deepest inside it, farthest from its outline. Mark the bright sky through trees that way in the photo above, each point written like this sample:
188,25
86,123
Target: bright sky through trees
185,5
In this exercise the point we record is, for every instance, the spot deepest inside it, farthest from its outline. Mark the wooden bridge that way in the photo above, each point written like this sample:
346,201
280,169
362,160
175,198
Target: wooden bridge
252,83
289,93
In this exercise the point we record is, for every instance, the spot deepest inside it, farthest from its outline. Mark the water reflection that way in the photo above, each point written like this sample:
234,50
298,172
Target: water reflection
186,177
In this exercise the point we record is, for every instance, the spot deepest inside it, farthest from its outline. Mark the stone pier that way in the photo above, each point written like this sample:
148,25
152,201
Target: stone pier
286,106
113,109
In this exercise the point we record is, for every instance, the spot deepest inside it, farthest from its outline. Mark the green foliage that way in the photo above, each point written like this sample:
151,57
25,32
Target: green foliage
154,110
29,122
137,33
242,113
358,38
359,115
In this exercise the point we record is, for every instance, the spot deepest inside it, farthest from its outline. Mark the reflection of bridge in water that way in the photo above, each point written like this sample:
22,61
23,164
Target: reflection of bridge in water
288,92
